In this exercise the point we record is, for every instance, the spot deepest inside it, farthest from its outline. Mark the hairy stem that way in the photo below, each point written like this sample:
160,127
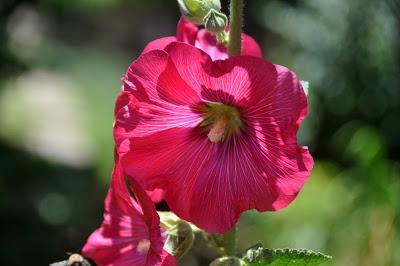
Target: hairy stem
234,48
236,22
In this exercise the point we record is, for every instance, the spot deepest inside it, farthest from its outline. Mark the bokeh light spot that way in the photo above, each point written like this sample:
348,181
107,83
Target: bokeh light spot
54,209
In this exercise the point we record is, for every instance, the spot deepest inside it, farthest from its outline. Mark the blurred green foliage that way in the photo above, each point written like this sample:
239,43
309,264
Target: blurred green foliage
60,65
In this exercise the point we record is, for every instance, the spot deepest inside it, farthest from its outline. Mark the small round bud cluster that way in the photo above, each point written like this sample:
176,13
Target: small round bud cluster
207,13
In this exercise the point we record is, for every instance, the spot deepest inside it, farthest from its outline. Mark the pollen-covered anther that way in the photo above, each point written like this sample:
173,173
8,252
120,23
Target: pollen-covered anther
217,131
222,120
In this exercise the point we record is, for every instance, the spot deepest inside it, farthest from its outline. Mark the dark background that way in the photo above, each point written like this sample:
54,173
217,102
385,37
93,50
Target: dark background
60,65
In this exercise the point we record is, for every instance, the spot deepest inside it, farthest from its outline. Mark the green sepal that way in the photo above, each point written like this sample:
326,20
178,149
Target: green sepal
215,22
196,10
180,234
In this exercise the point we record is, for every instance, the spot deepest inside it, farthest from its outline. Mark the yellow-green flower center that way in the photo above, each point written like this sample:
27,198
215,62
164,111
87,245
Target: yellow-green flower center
222,120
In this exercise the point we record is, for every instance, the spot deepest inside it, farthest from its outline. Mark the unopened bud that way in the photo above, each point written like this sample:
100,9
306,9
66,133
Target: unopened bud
228,261
180,235
215,22
196,10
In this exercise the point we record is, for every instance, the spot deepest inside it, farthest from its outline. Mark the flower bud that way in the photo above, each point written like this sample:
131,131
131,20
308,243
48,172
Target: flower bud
228,261
180,235
215,22
196,10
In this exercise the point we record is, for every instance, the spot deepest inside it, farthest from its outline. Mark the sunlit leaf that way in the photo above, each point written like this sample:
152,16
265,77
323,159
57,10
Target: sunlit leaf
259,256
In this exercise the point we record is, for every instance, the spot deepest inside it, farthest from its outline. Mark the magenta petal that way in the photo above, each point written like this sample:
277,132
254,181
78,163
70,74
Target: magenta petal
209,44
130,233
233,81
156,195
154,155
274,120
154,98
284,105
158,44
250,46
186,31
189,33
156,74
211,184
193,65
231,179
167,259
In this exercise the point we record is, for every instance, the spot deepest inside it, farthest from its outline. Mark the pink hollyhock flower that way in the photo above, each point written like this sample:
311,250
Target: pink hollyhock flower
130,233
189,33
218,136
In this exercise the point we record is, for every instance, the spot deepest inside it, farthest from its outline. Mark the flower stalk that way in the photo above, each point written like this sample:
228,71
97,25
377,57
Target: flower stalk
236,22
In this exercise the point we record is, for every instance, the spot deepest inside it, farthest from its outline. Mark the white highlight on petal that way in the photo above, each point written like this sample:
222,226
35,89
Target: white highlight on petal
143,246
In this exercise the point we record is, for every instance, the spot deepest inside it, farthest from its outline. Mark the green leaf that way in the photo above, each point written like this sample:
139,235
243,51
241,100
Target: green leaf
259,256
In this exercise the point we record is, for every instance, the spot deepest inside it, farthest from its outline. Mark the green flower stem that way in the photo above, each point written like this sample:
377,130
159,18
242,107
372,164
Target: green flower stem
234,48
230,242
236,22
